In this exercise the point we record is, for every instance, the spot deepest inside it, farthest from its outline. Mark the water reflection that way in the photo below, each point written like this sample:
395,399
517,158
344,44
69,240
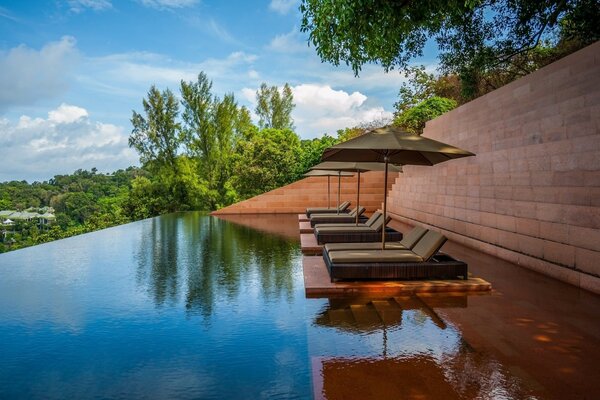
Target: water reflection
205,260
421,355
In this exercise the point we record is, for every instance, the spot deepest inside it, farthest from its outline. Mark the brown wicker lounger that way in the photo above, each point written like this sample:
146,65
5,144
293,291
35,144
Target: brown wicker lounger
325,210
423,262
336,218
368,222
407,243
353,234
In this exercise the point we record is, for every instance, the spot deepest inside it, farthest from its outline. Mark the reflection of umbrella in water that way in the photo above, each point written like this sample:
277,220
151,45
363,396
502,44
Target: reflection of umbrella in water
355,316
370,315
357,167
329,174
392,145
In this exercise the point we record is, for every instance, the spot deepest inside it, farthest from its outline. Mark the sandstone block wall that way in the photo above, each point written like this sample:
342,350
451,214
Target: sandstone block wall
532,193
312,192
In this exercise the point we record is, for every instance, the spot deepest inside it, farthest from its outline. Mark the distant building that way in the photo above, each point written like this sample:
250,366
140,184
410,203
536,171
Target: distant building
44,216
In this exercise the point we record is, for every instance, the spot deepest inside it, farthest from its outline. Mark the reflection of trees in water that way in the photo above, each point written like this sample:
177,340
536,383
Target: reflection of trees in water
157,260
217,257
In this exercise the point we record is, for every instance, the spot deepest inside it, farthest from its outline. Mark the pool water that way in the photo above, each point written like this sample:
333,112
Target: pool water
190,306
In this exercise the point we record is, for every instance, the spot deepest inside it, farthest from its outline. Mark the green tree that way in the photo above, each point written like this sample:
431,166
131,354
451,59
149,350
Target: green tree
474,37
413,119
211,129
274,108
157,138
311,152
265,160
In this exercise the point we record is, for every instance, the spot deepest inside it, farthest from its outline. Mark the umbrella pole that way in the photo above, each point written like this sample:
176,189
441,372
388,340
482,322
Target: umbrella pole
357,196
328,192
385,179
339,188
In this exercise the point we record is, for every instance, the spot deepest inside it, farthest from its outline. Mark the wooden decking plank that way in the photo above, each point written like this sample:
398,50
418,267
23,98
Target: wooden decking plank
309,245
305,227
303,217
317,283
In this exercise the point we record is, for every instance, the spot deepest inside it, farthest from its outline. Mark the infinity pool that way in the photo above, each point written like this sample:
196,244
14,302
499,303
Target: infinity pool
189,306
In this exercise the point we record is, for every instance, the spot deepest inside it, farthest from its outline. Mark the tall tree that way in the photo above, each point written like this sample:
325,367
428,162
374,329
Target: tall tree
157,138
274,108
211,128
265,160
474,37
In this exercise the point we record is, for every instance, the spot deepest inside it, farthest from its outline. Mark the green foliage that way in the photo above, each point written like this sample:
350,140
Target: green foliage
274,109
311,151
348,133
265,160
413,120
485,43
83,202
156,136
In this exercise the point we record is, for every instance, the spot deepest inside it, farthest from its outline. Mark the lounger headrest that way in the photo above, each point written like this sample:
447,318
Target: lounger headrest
373,218
352,212
411,238
344,205
378,225
429,244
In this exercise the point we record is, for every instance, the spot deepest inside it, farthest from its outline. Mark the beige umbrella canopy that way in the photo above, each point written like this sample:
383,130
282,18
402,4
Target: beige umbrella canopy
391,144
357,167
329,174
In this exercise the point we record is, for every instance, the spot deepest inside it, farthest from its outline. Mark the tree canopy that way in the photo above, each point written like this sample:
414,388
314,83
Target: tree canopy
473,36
274,108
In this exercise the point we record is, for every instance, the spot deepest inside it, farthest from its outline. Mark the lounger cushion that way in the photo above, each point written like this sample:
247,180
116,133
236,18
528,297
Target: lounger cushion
339,225
352,228
412,238
364,246
373,256
373,218
342,207
334,215
429,244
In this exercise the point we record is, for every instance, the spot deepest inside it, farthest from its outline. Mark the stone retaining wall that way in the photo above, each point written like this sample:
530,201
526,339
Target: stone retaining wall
312,192
532,193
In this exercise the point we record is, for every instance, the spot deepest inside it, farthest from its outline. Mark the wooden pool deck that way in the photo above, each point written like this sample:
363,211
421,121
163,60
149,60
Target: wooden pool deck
318,284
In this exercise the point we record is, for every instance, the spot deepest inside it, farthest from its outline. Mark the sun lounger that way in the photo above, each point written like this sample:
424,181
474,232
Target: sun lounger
326,210
422,262
337,218
407,243
353,234
368,222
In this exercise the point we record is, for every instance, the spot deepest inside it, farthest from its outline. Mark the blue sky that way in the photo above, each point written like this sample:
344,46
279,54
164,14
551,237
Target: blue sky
73,70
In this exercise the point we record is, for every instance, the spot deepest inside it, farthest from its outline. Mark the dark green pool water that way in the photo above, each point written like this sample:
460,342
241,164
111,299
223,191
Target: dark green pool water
193,307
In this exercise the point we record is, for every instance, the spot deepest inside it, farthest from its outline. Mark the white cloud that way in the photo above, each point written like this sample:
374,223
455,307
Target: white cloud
291,42
169,4
144,69
66,114
30,75
282,6
321,109
39,148
4,13
323,96
78,6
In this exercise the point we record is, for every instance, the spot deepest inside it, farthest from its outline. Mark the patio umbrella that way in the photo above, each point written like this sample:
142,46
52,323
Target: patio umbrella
329,174
357,167
393,145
